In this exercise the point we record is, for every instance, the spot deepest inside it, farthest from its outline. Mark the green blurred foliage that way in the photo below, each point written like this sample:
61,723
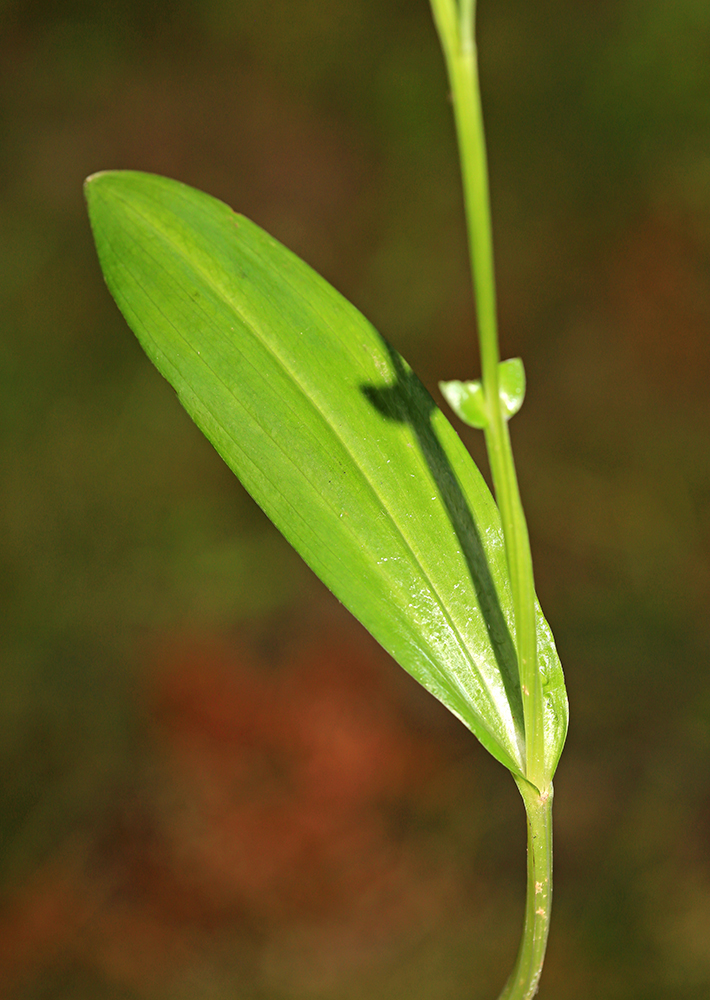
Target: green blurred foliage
328,124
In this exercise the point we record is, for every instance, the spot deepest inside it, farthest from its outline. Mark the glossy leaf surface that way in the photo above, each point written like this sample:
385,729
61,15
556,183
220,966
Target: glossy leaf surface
511,386
334,436
468,402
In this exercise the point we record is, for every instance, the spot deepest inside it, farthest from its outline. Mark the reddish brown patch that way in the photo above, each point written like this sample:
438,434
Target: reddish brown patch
275,781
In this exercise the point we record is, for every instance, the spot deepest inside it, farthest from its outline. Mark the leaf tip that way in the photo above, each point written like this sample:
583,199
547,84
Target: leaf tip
93,179
97,182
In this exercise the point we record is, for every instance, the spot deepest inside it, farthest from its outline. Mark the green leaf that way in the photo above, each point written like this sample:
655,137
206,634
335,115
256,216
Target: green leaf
468,402
511,386
335,438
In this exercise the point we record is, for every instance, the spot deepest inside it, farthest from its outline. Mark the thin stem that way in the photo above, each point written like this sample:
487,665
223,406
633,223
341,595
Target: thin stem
458,42
454,22
523,981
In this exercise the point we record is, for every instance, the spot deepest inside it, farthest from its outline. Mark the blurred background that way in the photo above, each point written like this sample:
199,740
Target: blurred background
212,783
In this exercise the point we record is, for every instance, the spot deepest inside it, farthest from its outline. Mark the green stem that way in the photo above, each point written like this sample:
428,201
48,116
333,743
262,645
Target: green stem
524,979
455,27
455,24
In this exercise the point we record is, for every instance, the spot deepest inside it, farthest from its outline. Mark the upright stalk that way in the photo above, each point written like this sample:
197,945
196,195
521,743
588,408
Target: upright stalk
523,981
455,24
457,38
